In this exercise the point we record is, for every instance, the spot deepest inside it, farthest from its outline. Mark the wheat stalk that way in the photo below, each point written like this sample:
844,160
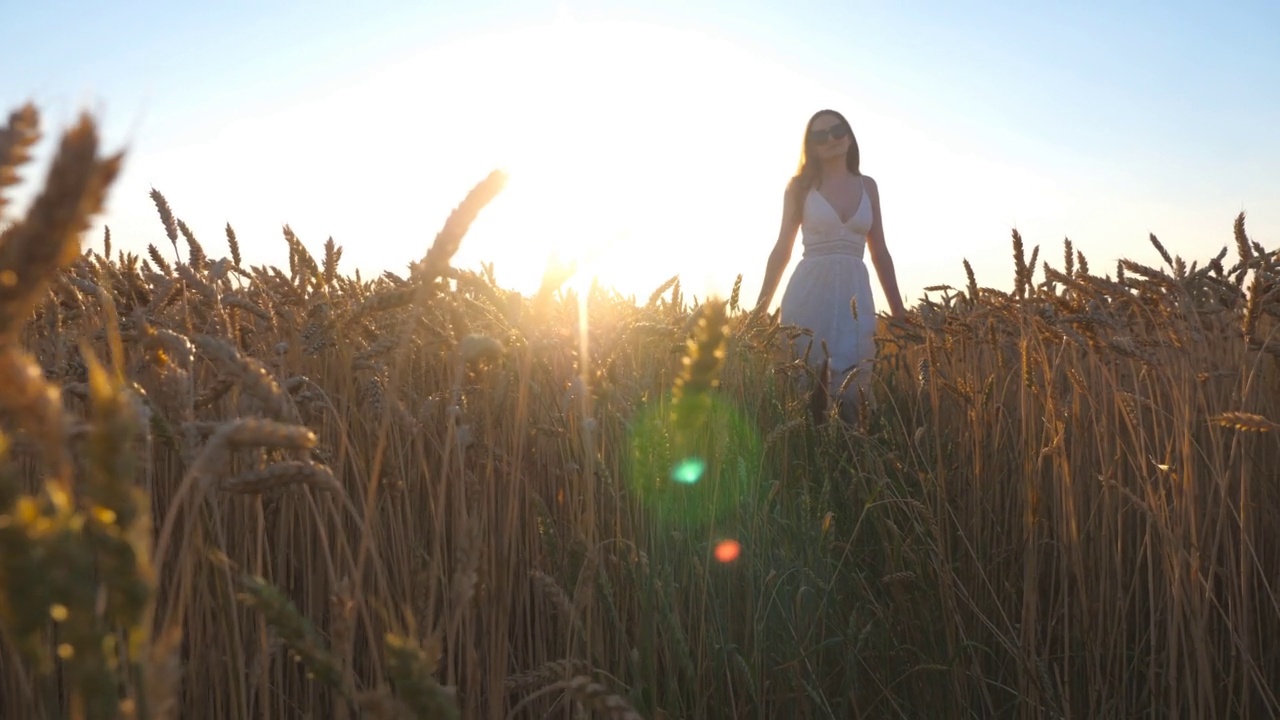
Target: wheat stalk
48,237
16,140
1247,422
597,697
447,241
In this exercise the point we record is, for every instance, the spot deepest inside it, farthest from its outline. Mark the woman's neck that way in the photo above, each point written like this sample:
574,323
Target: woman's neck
832,170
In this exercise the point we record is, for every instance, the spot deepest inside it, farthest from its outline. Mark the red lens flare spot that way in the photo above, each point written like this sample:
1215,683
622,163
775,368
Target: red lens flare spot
728,550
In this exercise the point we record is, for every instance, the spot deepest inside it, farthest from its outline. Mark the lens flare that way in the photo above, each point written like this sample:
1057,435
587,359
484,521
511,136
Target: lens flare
694,482
689,470
728,550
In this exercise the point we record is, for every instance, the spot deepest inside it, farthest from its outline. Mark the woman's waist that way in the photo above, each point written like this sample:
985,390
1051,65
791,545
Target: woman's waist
834,247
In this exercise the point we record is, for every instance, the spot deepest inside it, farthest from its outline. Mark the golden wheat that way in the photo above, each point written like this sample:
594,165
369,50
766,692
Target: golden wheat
1013,518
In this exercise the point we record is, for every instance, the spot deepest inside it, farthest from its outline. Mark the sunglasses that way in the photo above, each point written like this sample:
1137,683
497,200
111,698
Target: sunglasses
837,132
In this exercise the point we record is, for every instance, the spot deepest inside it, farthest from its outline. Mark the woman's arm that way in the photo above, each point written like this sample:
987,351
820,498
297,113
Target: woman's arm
880,256
781,255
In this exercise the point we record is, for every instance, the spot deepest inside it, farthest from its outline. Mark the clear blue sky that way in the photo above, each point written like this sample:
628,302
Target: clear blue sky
1145,116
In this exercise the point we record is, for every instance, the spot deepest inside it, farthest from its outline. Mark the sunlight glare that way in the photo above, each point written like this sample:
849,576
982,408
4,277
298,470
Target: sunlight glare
605,156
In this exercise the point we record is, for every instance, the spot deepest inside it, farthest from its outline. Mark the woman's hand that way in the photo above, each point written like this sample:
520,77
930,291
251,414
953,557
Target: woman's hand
759,316
895,322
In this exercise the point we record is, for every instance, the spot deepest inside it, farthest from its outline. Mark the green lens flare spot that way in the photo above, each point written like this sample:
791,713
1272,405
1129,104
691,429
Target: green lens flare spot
699,479
689,470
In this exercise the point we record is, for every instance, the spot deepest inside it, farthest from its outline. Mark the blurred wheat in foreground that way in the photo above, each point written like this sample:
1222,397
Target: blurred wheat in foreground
252,492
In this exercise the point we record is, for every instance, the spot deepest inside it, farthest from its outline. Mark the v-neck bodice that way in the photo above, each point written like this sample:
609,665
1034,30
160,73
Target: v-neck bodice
824,233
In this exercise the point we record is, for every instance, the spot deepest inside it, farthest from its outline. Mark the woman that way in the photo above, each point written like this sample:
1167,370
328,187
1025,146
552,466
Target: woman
838,208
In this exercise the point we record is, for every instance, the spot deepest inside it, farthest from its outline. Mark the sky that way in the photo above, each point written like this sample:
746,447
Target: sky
645,140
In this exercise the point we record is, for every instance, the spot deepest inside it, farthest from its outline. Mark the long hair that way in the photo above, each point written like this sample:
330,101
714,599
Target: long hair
807,172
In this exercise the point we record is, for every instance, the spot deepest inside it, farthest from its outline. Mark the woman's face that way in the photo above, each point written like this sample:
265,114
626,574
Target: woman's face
829,138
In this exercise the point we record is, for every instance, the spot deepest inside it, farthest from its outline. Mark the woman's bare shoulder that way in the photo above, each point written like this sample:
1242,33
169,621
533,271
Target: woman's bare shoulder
796,188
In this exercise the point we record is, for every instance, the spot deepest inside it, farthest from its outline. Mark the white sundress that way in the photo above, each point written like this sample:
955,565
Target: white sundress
831,274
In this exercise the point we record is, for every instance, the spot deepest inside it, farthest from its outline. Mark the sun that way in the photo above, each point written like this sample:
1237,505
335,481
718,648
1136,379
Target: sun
620,141
580,182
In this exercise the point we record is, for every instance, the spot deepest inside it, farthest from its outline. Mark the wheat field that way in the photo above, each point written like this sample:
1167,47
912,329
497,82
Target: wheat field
254,492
